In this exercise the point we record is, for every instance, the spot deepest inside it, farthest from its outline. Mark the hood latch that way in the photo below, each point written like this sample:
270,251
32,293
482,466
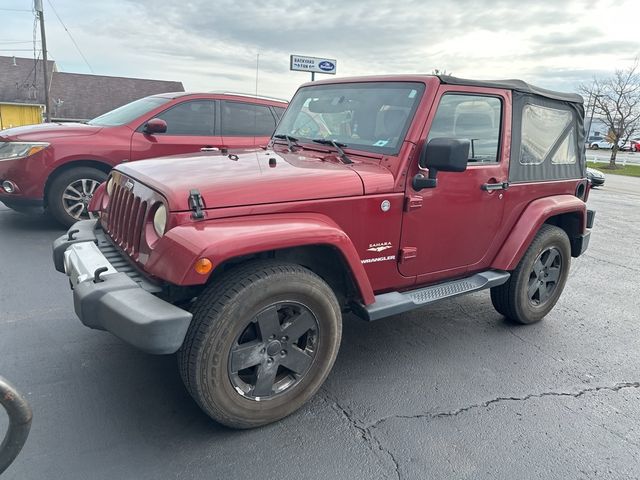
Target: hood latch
196,204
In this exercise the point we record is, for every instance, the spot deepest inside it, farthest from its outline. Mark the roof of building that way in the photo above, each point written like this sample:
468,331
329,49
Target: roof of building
80,96
21,79
73,96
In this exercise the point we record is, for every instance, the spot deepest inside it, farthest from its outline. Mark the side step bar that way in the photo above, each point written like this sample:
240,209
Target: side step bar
393,303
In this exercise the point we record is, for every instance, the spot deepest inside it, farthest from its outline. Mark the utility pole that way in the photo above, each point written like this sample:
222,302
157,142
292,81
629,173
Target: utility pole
37,6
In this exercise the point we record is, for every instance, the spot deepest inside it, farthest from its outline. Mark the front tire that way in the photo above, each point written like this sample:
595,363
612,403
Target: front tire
537,282
70,193
262,341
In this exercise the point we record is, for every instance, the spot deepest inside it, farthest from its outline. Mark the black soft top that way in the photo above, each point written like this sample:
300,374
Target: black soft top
517,85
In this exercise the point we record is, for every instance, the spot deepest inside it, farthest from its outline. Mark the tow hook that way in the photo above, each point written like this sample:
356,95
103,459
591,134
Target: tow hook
20,415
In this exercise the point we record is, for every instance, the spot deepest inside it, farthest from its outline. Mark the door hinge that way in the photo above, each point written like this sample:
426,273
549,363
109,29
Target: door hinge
408,253
414,202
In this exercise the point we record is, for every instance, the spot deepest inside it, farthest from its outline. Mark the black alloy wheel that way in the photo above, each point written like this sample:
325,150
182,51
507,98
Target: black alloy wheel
544,276
274,351
535,285
263,338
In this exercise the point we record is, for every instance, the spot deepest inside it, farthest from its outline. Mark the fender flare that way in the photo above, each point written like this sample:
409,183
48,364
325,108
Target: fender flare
221,240
530,221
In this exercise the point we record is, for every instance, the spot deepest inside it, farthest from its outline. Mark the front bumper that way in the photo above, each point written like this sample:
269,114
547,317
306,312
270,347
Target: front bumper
597,181
107,299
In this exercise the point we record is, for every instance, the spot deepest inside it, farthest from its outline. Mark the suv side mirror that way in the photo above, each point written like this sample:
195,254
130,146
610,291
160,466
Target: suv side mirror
446,154
155,125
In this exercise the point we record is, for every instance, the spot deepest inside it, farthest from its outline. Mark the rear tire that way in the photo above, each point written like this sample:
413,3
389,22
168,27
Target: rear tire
537,282
237,360
70,193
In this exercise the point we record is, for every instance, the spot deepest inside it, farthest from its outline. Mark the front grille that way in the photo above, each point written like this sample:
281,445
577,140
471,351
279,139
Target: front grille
127,213
123,265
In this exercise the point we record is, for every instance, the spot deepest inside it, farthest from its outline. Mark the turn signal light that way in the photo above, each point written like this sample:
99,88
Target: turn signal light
203,266
35,149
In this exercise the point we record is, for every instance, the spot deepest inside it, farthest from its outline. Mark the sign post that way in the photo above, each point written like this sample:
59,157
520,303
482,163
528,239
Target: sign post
300,63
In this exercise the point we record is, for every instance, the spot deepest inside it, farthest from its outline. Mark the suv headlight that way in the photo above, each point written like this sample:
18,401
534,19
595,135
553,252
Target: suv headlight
14,150
160,220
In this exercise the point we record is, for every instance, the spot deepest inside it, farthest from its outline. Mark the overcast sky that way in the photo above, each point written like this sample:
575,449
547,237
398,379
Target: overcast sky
212,44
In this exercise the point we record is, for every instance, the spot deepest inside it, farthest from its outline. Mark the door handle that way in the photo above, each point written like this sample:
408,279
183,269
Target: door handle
490,187
207,148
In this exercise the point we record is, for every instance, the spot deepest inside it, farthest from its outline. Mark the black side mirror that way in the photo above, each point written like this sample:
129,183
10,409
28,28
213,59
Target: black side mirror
441,154
155,125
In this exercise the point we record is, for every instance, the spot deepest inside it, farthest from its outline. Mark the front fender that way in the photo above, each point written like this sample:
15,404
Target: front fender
532,218
174,257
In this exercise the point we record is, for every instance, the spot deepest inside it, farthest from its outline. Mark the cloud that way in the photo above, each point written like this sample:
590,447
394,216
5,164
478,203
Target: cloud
212,44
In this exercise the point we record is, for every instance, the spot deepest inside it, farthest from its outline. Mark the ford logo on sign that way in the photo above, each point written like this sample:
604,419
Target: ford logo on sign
326,66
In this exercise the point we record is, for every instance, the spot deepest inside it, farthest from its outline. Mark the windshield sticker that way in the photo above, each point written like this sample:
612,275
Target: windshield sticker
381,143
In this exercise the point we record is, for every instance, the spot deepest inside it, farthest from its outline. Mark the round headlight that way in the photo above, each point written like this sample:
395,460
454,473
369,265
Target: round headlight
160,220
110,186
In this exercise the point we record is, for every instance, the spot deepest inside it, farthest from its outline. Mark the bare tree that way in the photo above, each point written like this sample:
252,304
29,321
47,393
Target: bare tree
437,71
615,101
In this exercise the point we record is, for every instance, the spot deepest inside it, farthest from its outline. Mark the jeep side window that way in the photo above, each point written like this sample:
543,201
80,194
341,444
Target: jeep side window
190,118
470,117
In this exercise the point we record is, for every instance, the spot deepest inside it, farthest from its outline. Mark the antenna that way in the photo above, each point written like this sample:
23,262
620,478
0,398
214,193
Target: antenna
257,69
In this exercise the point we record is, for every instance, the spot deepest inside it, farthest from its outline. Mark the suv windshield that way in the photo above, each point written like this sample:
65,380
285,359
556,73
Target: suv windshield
128,112
372,116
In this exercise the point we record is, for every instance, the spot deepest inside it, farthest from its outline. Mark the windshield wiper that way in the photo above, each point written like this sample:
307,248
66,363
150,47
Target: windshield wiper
337,145
290,140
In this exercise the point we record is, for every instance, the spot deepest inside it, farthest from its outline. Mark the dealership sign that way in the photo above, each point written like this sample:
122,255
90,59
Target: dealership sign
313,64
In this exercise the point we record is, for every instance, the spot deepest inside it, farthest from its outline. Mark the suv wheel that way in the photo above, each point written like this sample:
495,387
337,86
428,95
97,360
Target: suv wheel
70,194
595,146
262,341
538,280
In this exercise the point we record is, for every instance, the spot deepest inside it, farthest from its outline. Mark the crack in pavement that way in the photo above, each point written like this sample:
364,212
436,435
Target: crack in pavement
431,416
365,433
609,262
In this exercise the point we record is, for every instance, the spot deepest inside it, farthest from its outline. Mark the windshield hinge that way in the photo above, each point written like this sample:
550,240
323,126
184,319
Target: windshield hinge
196,204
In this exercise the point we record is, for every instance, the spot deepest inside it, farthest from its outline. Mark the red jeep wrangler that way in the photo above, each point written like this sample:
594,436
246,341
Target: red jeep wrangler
376,196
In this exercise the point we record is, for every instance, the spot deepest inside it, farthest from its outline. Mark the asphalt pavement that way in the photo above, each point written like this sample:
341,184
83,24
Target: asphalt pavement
448,391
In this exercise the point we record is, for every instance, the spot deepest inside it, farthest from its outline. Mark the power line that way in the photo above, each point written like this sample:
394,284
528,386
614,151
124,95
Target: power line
14,10
70,36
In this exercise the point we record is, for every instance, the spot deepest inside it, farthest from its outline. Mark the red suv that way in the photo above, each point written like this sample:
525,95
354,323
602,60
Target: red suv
58,166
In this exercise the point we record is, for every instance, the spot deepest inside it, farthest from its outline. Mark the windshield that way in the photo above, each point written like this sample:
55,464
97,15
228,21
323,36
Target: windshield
372,116
128,112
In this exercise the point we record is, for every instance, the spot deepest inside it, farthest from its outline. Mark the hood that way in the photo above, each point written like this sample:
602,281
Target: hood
48,131
249,178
